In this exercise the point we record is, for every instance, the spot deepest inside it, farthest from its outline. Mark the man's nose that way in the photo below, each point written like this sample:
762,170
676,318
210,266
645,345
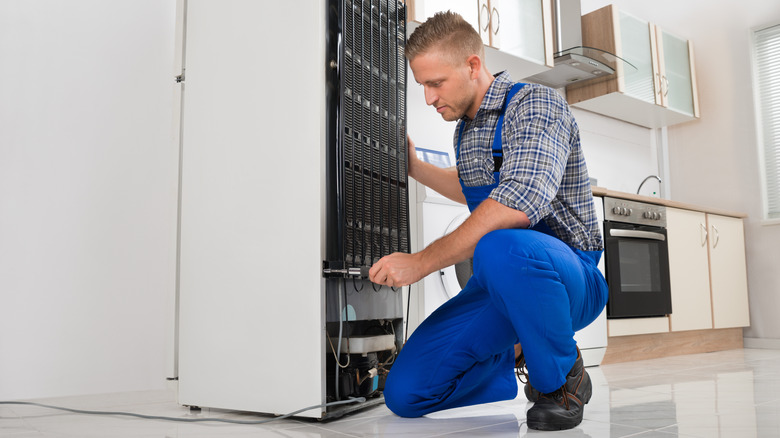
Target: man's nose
430,96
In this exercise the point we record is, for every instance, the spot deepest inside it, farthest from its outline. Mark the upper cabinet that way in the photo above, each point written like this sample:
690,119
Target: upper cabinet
517,33
657,89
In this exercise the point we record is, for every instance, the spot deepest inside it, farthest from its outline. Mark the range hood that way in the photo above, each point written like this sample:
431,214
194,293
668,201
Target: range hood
573,62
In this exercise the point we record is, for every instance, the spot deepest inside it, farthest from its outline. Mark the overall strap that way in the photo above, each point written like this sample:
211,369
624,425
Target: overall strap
498,154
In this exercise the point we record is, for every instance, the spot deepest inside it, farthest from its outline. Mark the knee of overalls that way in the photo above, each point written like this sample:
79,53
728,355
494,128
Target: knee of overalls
500,249
400,397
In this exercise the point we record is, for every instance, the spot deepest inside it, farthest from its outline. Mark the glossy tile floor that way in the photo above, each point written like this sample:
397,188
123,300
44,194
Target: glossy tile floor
730,393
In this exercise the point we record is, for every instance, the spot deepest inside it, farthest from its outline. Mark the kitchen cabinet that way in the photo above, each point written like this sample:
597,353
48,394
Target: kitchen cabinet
707,270
657,89
517,34
688,270
728,272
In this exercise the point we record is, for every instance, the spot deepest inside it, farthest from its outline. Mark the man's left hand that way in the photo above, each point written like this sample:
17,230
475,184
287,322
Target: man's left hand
397,269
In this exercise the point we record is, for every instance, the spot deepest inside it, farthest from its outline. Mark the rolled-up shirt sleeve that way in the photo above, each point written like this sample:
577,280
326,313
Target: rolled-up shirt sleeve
536,145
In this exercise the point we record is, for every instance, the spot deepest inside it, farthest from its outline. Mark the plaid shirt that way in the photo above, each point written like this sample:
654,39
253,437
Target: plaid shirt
544,173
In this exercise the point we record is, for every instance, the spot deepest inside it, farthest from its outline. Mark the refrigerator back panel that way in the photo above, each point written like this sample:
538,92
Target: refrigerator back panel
370,153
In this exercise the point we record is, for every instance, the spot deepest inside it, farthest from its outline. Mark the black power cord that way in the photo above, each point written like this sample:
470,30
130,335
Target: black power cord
185,420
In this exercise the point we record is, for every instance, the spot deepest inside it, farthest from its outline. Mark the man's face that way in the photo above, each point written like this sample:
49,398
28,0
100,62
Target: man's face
448,85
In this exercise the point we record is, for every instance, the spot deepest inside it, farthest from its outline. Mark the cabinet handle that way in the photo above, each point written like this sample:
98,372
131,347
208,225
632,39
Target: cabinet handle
658,83
666,86
704,234
486,16
498,20
717,237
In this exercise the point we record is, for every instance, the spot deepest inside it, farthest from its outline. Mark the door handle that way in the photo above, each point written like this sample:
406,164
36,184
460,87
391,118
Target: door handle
498,20
716,234
704,234
486,15
637,234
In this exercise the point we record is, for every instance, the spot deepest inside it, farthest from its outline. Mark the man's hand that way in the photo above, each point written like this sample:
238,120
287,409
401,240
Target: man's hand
397,269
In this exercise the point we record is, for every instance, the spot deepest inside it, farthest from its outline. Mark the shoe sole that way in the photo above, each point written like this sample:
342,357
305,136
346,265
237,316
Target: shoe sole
555,426
564,423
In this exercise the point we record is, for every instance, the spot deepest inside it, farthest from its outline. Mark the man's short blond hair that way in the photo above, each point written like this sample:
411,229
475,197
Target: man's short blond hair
448,32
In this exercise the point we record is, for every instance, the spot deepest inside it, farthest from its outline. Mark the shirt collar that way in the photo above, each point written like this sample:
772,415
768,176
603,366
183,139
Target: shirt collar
496,94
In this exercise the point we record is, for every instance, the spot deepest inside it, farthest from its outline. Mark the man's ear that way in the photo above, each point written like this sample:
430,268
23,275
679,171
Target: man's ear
475,64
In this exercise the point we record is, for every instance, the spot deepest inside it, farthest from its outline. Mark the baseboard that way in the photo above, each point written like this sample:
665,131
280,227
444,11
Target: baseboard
592,357
762,343
652,346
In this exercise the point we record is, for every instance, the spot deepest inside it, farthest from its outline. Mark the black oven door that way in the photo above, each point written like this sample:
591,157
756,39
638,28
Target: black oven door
637,268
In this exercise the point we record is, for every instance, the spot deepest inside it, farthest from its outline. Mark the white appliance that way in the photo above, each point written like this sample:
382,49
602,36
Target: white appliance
292,168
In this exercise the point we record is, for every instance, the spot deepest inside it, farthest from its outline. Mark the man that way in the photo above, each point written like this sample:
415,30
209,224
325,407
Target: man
532,232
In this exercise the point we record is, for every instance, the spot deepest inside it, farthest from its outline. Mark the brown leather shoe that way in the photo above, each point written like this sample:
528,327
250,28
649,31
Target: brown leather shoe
532,394
562,408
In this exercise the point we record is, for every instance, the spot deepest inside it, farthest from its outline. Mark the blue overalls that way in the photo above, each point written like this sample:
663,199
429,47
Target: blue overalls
528,287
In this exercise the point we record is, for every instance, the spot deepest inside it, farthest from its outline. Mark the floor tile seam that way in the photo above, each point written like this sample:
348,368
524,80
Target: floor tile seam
646,428
640,429
321,427
517,421
639,434
18,430
644,390
677,432
772,401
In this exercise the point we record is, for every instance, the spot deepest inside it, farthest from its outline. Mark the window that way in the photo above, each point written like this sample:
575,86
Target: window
766,45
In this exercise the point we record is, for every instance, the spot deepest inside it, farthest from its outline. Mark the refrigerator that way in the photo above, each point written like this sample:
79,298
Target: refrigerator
292,140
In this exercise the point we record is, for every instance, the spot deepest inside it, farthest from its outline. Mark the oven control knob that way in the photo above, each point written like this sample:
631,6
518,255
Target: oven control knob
616,210
647,215
628,213
659,216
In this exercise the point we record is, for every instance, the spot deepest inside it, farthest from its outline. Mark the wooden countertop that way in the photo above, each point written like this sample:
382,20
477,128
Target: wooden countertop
600,191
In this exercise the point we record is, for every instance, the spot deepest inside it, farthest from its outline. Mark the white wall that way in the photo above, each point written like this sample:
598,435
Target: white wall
88,190
714,161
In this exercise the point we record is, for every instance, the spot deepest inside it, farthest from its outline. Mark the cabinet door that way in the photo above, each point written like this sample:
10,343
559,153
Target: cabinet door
688,270
468,9
485,17
677,81
729,272
517,28
637,46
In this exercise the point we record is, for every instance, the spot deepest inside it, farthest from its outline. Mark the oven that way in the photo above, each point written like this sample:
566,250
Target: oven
637,259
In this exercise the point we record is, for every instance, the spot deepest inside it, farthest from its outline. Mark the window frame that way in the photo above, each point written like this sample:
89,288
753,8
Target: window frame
769,217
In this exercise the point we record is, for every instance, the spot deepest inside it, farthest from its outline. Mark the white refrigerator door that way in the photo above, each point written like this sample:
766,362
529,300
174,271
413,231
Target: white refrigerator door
252,206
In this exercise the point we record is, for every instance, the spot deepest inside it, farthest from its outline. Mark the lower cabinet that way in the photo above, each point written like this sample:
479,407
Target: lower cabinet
707,271
728,272
689,268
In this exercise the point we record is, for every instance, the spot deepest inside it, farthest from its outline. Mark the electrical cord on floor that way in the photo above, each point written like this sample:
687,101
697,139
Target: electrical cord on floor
186,420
